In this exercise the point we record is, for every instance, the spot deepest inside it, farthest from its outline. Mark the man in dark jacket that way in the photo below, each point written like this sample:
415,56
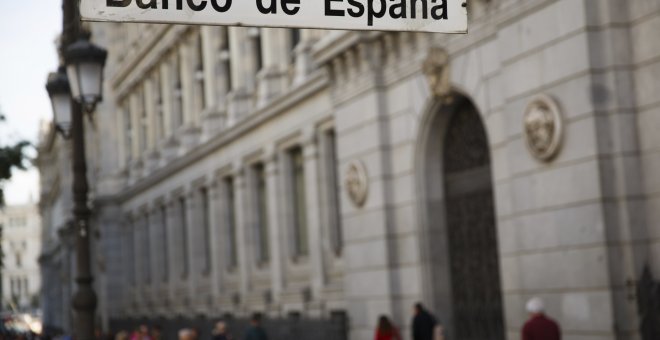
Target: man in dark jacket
539,327
255,332
423,324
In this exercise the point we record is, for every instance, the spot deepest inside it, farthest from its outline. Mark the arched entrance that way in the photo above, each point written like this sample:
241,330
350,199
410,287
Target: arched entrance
460,236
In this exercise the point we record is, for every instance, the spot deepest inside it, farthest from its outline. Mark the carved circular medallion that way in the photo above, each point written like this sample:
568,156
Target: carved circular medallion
543,128
357,183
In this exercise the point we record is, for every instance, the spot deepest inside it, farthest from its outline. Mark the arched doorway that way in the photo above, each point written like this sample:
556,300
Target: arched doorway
463,278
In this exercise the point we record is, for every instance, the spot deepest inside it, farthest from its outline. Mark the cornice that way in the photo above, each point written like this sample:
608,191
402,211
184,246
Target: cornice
316,83
336,44
149,54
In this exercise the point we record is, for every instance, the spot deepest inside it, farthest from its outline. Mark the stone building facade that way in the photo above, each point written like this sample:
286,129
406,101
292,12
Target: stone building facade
21,244
309,173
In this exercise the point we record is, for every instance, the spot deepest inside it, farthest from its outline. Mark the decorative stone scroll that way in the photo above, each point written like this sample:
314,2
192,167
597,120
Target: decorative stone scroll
543,128
436,70
357,183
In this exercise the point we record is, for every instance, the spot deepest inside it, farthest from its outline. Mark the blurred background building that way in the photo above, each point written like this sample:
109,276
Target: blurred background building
21,246
329,177
57,252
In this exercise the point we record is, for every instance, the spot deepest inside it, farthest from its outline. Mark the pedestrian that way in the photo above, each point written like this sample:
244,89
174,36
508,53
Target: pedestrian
423,324
122,335
539,326
220,331
142,333
186,334
255,331
156,333
386,330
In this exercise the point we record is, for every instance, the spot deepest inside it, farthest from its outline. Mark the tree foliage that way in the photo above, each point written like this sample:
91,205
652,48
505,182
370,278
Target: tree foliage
11,156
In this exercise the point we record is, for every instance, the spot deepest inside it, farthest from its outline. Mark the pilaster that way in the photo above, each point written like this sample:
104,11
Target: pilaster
217,260
189,128
242,225
311,169
274,192
272,78
191,276
176,253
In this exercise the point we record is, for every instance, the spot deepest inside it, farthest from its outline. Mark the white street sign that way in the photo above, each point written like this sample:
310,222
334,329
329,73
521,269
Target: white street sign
441,16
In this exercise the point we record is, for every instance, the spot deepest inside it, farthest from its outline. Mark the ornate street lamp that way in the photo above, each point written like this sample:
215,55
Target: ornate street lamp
84,66
60,96
73,94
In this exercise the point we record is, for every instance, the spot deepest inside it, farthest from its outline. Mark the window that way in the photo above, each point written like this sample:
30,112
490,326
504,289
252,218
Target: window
230,200
299,202
19,260
332,185
261,199
206,229
294,36
183,224
164,243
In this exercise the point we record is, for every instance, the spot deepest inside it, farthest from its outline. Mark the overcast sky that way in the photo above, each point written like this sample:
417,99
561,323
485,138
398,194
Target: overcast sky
28,29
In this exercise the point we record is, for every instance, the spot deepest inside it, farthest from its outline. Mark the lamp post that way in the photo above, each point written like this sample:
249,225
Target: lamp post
73,94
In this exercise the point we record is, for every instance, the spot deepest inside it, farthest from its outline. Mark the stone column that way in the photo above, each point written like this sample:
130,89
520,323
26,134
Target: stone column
276,58
150,108
154,233
166,91
190,129
128,249
169,143
147,278
196,232
237,40
304,62
137,259
151,159
136,163
216,212
277,232
310,154
215,83
210,36
173,245
135,109
187,81
192,225
242,225
242,74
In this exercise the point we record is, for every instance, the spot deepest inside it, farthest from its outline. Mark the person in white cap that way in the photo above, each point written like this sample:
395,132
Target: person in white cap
539,326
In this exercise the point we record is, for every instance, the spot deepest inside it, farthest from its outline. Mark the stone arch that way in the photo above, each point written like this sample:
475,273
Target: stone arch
456,207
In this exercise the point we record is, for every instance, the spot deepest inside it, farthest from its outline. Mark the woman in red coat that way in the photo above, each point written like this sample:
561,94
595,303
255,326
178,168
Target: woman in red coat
386,330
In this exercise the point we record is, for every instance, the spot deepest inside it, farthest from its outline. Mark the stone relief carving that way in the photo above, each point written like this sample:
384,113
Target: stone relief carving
436,70
543,128
357,183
